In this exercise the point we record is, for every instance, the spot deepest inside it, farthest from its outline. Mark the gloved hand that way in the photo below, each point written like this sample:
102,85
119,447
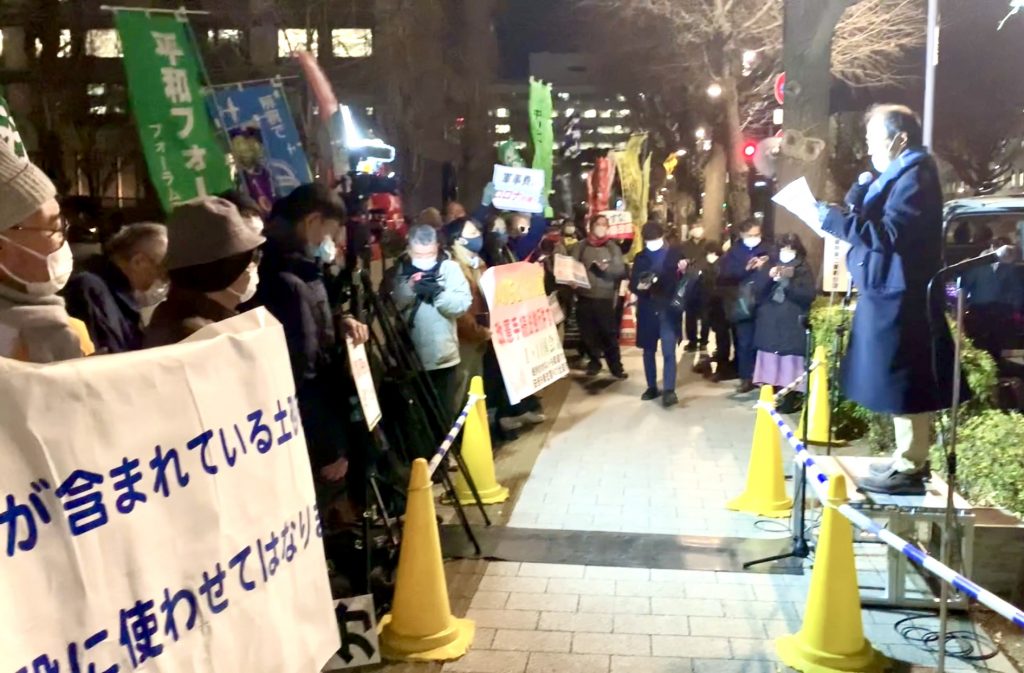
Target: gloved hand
855,197
488,196
428,288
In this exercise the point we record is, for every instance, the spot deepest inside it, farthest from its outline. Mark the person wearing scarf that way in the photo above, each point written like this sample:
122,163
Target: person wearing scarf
595,309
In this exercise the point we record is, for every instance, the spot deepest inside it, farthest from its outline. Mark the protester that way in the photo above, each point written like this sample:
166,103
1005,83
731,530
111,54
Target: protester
300,242
899,358
247,208
595,306
496,240
995,300
714,315
657,270
110,294
212,255
784,294
695,249
35,264
738,272
431,292
431,216
453,211
466,245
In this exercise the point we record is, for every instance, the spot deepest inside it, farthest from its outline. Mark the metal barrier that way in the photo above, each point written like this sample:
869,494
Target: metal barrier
819,479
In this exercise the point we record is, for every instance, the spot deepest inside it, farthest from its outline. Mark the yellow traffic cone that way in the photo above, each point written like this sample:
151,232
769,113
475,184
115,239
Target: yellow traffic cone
817,401
478,455
420,626
832,639
765,494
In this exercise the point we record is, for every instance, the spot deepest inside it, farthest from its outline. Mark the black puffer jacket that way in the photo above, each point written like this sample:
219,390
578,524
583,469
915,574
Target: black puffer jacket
780,305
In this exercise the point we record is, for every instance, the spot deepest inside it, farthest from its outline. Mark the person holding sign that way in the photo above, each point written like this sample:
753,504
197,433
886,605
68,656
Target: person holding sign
595,308
900,352
35,264
656,277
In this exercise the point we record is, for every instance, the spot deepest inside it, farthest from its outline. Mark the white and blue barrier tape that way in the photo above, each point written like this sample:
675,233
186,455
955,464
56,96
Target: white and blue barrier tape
800,379
452,434
819,479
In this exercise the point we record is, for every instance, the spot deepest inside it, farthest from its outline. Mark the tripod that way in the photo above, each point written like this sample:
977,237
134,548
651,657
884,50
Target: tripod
391,341
801,547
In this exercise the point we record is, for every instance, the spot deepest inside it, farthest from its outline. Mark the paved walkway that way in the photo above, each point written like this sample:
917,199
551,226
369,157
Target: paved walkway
614,463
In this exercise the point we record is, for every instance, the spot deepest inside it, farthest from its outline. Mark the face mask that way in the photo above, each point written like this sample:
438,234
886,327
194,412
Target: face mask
501,237
154,295
327,251
58,265
654,246
712,258
787,256
424,263
751,241
474,245
250,288
881,162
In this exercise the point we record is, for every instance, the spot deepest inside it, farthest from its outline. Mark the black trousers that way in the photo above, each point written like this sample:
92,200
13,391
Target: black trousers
697,323
445,381
598,329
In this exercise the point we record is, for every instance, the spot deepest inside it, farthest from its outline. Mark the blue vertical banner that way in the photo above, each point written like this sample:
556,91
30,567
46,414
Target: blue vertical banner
264,140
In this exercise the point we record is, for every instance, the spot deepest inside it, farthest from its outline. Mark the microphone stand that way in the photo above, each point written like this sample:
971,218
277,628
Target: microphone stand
801,547
833,366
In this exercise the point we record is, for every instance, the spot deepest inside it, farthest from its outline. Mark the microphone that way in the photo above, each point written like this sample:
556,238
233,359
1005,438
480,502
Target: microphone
1004,254
865,178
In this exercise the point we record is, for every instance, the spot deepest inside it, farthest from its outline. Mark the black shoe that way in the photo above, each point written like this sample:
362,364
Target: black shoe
723,373
884,467
896,483
670,399
691,347
745,386
790,404
650,394
620,373
594,368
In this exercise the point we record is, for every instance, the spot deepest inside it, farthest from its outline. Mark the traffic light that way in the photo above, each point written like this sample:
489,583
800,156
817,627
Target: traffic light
750,150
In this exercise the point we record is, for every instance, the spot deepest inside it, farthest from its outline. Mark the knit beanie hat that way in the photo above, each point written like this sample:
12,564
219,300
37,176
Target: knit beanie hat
205,230
23,188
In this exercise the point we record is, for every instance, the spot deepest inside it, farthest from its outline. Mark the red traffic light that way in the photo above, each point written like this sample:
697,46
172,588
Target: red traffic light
749,150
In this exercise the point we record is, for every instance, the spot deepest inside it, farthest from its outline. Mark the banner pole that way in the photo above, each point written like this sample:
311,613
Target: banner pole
152,10
258,80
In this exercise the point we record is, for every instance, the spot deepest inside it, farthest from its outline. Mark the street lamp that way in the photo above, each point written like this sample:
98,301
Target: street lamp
681,153
700,133
714,90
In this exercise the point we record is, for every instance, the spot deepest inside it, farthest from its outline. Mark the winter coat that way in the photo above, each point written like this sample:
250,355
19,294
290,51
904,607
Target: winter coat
433,325
653,304
779,327
733,274
1001,287
603,284
472,325
102,298
183,314
39,329
894,228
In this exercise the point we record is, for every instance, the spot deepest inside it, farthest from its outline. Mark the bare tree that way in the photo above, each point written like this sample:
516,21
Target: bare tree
712,42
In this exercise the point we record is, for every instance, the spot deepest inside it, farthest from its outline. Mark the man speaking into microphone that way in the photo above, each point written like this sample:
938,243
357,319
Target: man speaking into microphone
894,225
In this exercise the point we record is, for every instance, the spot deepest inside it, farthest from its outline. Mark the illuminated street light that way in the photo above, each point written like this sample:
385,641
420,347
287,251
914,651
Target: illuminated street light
700,133
714,90
681,153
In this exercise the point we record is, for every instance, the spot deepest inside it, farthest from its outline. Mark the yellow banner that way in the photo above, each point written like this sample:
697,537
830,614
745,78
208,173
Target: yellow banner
634,184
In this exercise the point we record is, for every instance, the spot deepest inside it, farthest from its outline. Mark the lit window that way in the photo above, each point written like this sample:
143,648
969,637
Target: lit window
570,111
63,45
103,43
590,114
606,130
562,95
619,128
624,113
606,114
369,112
587,146
501,113
521,145
106,99
620,98
554,114
604,146
352,42
225,36
502,128
294,39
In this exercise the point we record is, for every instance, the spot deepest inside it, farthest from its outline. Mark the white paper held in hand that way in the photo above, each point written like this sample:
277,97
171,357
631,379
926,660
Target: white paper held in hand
796,197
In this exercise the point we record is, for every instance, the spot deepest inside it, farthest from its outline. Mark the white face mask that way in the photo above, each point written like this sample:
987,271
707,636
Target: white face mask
154,295
250,288
751,241
424,263
712,258
58,266
656,245
787,256
327,251
881,162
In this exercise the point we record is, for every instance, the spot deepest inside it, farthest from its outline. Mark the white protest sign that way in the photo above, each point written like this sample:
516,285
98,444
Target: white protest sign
796,197
157,512
570,271
620,224
357,624
518,189
363,378
523,329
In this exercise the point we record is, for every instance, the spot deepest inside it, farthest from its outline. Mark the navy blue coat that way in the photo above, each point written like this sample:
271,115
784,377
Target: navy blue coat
653,303
102,298
895,231
732,271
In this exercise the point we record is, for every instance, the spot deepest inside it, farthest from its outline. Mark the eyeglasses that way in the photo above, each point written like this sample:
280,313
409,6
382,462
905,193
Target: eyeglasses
56,235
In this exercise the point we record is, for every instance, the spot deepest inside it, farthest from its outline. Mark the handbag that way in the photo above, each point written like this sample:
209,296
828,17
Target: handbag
741,308
681,297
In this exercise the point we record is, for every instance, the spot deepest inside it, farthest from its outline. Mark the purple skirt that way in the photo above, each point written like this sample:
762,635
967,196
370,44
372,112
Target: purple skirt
779,370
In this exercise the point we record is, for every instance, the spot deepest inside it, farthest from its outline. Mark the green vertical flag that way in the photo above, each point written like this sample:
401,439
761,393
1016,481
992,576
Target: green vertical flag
185,158
508,155
543,134
8,131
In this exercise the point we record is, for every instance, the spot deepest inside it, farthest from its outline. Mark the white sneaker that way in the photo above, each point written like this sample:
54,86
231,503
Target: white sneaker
510,424
533,418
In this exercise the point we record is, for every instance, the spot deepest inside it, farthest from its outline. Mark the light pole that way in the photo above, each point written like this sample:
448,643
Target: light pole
931,63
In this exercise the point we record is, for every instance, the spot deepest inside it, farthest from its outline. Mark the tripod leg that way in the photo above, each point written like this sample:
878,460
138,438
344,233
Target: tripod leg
389,525
464,469
450,489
